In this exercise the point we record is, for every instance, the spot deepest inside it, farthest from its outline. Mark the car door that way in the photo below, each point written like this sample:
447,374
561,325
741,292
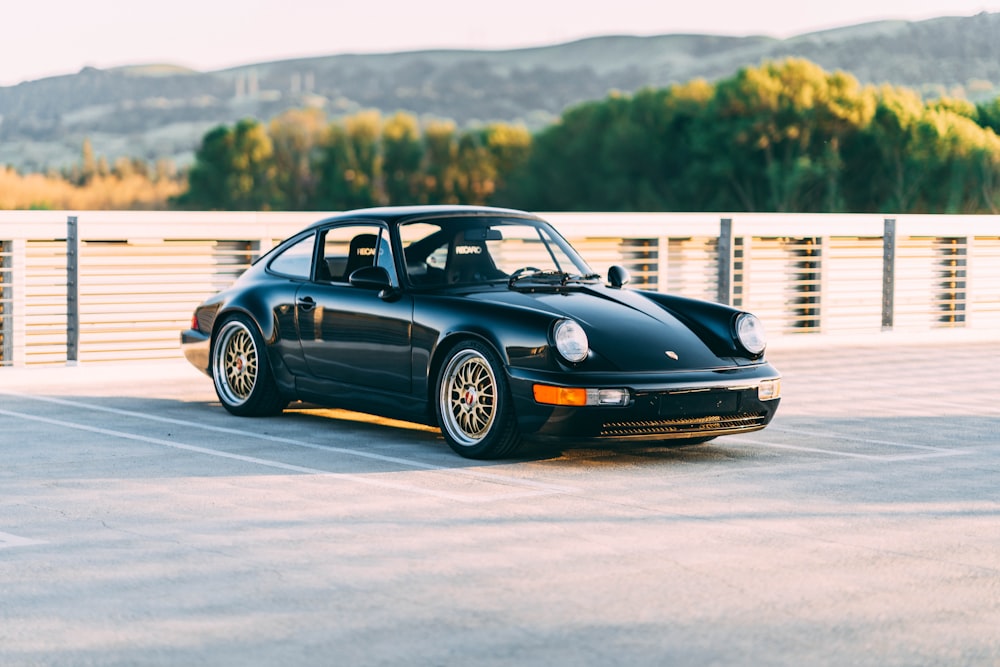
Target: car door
354,335
289,269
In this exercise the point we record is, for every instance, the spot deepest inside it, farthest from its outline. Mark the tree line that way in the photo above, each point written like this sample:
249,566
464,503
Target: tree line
781,137
784,136
298,161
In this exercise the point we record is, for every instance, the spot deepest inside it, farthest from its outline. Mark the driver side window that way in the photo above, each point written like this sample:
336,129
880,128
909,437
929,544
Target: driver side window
345,249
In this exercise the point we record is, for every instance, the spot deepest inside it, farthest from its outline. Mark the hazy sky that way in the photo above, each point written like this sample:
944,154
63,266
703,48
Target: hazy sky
41,38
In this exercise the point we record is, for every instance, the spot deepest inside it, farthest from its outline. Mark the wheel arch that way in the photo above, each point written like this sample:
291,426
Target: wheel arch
443,350
478,419
246,388
226,314
286,382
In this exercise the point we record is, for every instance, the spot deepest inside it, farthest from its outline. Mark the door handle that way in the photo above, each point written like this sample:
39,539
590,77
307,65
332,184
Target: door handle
306,303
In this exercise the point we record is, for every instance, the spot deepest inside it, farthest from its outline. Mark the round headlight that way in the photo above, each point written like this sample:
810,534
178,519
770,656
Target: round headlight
750,333
571,341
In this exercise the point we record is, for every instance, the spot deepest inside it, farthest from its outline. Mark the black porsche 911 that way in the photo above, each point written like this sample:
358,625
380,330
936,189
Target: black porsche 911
482,321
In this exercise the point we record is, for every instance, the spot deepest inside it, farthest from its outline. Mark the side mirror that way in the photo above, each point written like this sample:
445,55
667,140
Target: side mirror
370,277
618,276
375,278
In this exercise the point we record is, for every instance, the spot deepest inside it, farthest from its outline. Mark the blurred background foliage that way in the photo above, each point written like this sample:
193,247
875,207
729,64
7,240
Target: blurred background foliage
786,136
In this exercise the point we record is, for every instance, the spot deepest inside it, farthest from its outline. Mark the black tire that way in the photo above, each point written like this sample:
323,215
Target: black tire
241,373
474,408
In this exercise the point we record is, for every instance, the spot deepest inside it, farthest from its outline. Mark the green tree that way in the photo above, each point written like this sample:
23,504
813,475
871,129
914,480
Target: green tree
364,130
625,153
233,170
889,170
440,159
349,164
510,149
296,136
788,121
475,170
252,179
402,153
565,172
988,115
334,170
207,178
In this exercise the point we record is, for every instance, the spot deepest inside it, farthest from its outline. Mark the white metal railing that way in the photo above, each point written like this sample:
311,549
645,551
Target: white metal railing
120,285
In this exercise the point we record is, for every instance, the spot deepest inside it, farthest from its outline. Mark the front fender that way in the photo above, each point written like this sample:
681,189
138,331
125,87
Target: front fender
712,322
519,337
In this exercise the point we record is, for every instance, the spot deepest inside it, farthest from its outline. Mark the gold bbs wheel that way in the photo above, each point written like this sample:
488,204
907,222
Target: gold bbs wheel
474,406
236,363
242,376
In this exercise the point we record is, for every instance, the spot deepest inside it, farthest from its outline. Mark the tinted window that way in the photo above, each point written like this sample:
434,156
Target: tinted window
350,247
295,260
482,250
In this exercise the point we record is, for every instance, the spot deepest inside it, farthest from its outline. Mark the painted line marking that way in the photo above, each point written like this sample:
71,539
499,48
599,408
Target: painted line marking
889,443
476,474
854,455
7,541
929,452
531,488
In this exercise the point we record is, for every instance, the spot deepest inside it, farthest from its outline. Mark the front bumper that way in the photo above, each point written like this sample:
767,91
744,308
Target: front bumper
699,404
196,347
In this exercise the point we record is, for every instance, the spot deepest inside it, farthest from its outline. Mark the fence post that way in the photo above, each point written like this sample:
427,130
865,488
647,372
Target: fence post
6,303
72,291
888,273
662,263
971,286
726,258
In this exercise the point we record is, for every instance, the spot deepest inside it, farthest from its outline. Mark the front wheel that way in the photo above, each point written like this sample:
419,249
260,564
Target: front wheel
474,405
242,376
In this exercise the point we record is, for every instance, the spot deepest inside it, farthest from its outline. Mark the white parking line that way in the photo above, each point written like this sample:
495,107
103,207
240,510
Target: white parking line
530,488
928,451
7,541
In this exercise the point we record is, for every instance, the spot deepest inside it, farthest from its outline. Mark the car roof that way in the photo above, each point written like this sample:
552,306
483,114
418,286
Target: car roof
395,214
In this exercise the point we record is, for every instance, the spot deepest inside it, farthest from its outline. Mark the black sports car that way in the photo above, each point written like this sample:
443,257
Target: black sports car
485,322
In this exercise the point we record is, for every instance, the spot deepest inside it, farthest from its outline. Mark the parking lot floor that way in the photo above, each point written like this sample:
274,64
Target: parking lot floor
141,524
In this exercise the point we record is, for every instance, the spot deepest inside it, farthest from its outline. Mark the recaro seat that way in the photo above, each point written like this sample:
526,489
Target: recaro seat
360,254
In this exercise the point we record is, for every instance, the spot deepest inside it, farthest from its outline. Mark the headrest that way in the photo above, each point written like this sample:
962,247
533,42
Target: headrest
363,245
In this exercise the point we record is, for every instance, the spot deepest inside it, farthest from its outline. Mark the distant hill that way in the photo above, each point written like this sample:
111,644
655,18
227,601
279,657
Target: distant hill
162,111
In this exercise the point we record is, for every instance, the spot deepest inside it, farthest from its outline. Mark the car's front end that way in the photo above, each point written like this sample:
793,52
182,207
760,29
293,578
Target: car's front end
688,405
626,364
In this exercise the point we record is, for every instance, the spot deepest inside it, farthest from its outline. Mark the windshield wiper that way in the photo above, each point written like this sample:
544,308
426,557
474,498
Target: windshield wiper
531,273
584,278
550,277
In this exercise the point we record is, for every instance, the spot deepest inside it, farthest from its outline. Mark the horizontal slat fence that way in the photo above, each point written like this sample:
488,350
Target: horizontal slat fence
983,282
140,274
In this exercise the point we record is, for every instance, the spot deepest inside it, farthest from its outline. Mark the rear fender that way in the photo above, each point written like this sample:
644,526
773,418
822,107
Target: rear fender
267,325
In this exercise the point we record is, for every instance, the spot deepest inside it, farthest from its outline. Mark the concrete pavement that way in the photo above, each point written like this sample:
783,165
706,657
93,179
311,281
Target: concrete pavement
140,524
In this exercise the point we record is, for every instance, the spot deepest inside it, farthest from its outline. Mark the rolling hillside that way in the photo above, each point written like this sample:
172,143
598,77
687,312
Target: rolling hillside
162,111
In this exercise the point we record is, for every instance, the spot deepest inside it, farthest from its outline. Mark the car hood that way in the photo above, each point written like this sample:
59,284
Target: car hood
627,329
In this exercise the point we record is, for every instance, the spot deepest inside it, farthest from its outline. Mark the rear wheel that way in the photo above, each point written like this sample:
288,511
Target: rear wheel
242,376
474,407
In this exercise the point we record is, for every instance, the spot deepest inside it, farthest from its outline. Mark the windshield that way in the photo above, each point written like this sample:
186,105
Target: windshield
471,251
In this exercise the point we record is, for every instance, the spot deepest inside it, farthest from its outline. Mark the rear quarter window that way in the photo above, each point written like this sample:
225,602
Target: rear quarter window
295,261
